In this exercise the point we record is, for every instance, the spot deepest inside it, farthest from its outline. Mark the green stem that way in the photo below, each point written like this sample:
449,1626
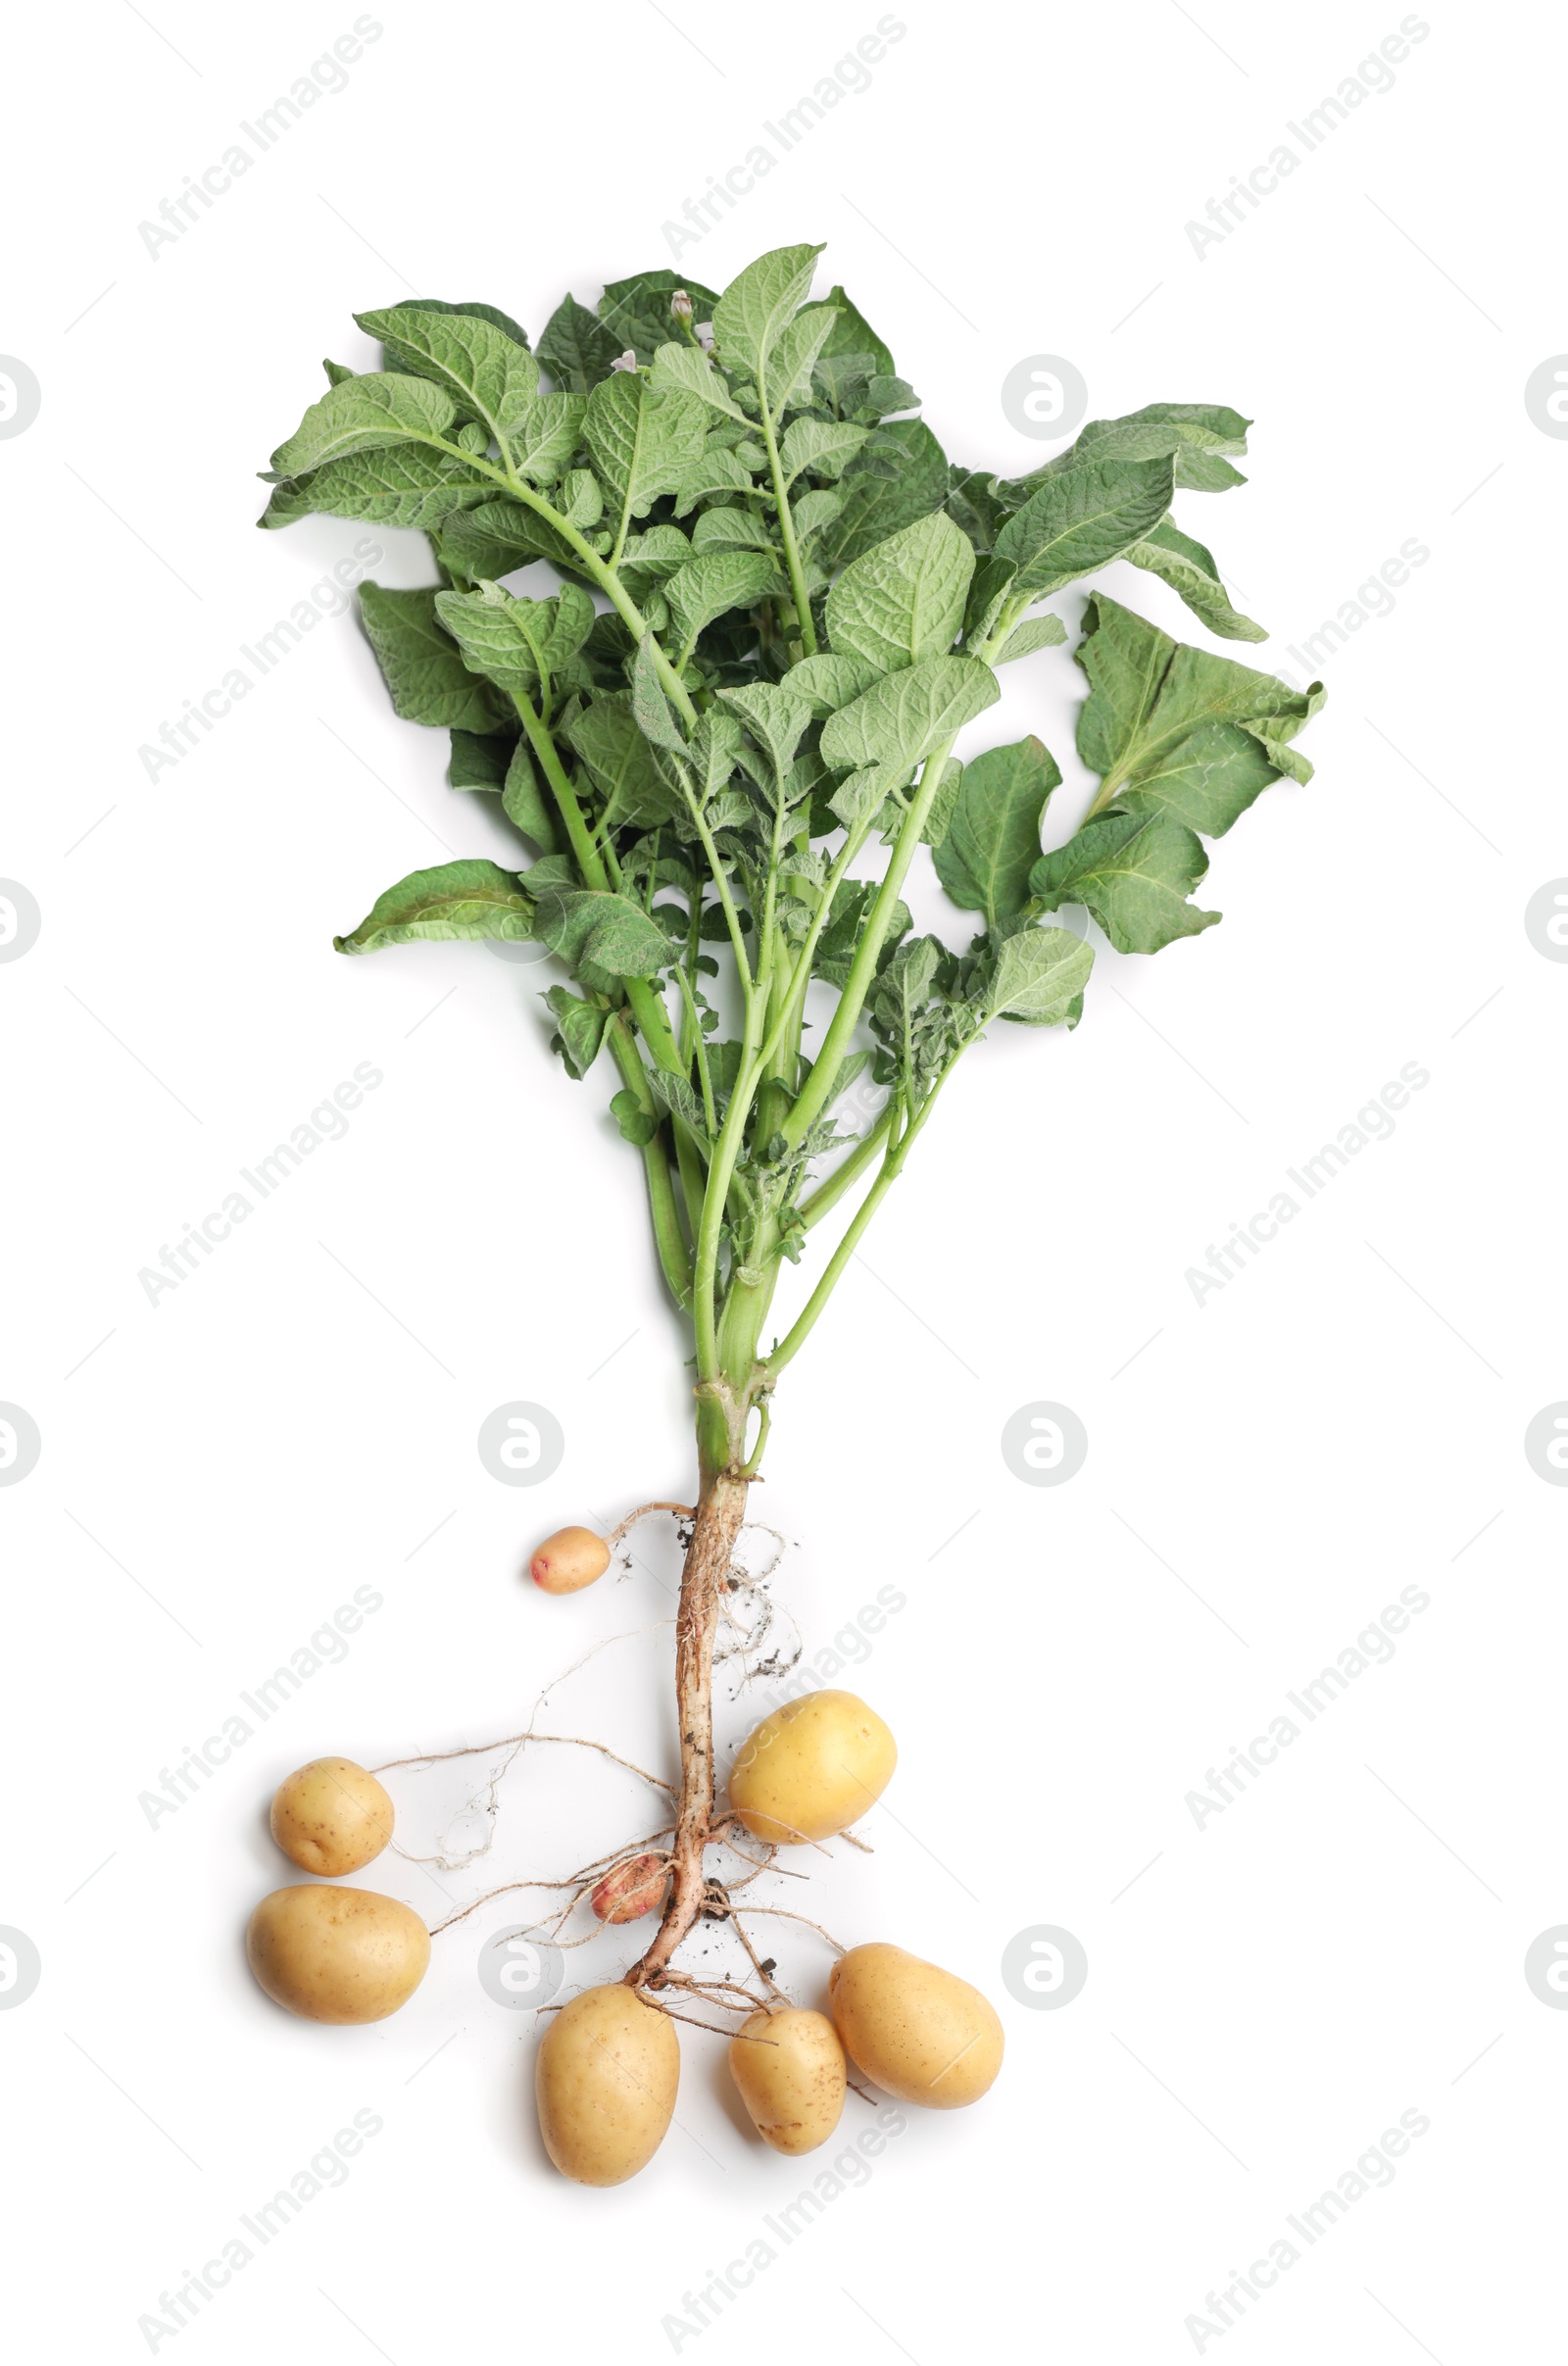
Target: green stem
674,1256
786,527
827,1196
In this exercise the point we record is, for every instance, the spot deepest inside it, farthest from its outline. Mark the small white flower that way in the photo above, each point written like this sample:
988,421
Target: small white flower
704,335
624,361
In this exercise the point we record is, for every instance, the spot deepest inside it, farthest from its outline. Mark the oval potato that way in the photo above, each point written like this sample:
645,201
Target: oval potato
811,1768
337,1955
605,2083
569,1561
789,2067
924,2033
331,1816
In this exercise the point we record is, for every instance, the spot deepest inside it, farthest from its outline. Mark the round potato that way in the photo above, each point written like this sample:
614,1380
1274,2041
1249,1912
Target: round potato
338,1955
569,1561
811,1768
605,2082
331,1817
922,2033
789,2067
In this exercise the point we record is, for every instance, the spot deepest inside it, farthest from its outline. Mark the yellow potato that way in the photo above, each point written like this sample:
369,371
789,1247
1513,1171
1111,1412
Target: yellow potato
331,1816
924,2033
811,1768
569,1561
605,2082
339,1956
789,2067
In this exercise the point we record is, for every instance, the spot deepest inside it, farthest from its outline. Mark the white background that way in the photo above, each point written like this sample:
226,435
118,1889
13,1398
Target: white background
1265,1472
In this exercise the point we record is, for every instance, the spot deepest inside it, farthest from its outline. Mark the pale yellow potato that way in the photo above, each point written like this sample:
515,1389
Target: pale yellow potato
605,2082
924,2033
789,2067
338,1955
569,1561
331,1817
811,1768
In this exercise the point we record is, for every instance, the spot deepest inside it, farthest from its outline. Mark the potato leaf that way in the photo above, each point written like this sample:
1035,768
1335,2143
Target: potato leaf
993,839
607,932
904,599
1176,730
487,374
455,900
360,416
901,717
422,665
1189,571
1134,872
642,440
1080,520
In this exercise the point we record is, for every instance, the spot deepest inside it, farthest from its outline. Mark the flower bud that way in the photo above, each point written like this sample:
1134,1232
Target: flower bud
631,1891
624,361
680,303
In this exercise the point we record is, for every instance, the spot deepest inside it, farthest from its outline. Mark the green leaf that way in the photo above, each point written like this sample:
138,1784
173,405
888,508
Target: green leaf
1080,520
642,440
821,445
939,816
686,367
860,796
621,762
900,718
1134,872
487,374
525,803
1038,975
543,434
852,332
1189,571
651,708
402,484
648,558
577,348
757,307
679,1098
830,680
904,599
773,715
516,643
481,312
835,946
636,311
899,476
993,839
1194,434
455,900
423,669
1035,633
1175,729
716,751
496,536
589,927
637,1124
479,760
382,407
716,469
581,1029
794,358
709,587
904,986
730,531
811,511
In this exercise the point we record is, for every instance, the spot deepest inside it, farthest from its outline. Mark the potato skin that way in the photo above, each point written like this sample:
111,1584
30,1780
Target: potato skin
605,2082
331,1816
337,1955
789,2067
811,1768
924,2033
569,1561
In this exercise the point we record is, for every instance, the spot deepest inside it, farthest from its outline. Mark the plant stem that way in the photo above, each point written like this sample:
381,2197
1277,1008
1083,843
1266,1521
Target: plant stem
674,1256
785,529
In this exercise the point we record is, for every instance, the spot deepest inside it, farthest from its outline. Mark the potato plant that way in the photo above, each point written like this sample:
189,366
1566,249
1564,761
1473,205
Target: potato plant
724,732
